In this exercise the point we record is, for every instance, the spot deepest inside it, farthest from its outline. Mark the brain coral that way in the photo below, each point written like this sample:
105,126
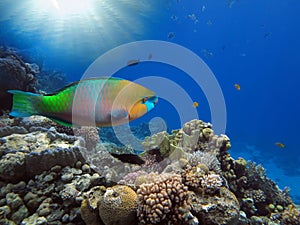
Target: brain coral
118,206
164,201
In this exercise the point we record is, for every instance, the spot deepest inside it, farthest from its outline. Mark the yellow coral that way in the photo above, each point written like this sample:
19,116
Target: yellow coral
88,216
291,216
118,206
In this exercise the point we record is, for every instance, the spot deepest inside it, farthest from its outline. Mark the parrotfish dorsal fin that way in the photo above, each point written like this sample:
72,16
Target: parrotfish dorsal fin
79,81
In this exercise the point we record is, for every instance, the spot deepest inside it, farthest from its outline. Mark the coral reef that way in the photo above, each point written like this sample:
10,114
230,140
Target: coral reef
49,81
220,208
47,176
27,152
109,206
200,179
52,197
258,195
118,206
205,158
14,74
194,136
164,201
90,135
89,205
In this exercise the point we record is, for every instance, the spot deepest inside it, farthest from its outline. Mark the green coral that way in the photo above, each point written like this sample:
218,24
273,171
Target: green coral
194,136
158,141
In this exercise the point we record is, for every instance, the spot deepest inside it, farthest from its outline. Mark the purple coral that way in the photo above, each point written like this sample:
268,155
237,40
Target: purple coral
130,178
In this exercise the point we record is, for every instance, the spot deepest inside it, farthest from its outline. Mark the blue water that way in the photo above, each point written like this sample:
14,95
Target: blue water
252,43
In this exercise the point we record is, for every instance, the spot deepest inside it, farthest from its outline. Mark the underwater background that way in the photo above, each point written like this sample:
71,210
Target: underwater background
254,45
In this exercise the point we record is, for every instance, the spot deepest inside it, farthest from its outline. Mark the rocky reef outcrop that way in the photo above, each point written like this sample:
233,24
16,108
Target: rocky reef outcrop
49,176
15,74
19,72
28,152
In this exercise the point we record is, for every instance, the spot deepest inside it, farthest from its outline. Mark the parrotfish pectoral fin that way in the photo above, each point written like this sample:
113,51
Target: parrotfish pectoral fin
24,103
119,114
66,124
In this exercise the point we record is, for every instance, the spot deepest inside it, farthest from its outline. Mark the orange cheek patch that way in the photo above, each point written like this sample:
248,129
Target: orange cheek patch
137,111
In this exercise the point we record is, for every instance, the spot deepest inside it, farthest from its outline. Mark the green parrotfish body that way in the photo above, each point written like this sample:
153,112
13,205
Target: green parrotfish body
89,102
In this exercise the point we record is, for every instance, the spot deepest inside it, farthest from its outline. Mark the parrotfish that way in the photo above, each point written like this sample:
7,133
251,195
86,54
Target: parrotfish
89,102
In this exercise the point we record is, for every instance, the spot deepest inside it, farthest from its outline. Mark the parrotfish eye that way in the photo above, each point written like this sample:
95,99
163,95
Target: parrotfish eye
144,99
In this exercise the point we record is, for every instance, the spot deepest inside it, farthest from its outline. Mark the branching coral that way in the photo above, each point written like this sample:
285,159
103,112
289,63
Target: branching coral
291,216
257,195
199,178
164,201
205,158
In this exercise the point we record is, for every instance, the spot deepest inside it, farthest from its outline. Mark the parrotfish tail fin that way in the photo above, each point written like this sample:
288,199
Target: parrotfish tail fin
24,103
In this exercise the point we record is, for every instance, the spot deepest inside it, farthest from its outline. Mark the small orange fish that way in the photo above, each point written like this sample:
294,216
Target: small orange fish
280,145
237,87
195,104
